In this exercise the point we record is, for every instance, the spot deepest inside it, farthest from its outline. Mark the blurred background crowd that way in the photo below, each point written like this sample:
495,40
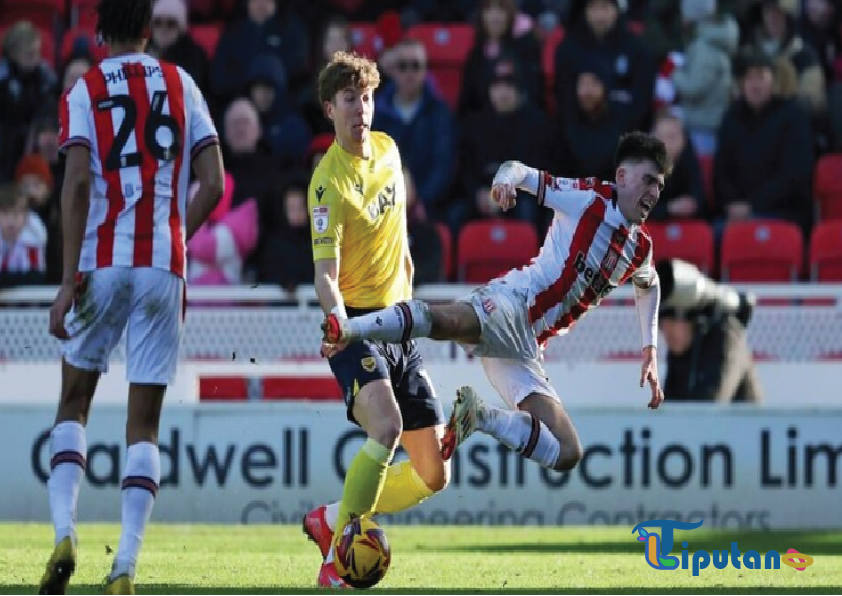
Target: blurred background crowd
746,95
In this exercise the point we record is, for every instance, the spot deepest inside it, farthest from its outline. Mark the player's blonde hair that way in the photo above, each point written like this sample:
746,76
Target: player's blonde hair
347,69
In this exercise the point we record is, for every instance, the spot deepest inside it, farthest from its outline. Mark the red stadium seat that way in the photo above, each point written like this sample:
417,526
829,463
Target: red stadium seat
826,252
690,241
316,388
446,250
491,247
207,36
827,186
223,388
447,48
762,251
366,40
44,14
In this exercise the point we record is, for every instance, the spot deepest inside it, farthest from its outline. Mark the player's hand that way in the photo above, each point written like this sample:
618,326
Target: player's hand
505,195
330,350
61,306
649,372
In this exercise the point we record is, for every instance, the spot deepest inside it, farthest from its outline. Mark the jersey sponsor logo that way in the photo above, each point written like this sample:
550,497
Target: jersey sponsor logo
385,199
320,192
597,279
325,240
321,219
368,363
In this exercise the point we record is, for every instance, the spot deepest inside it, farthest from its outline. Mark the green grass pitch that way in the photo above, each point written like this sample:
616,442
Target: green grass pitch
279,559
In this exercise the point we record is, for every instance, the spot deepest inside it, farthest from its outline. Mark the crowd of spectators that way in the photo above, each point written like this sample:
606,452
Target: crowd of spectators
750,86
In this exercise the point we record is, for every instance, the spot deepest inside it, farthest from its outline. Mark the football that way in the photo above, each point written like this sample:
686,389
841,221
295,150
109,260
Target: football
362,553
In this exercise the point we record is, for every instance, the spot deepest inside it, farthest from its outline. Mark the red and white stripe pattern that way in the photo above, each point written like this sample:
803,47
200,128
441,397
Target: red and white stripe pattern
137,211
590,249
28,252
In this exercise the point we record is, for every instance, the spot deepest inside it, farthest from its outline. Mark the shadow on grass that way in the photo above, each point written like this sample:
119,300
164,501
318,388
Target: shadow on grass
182,589
812,543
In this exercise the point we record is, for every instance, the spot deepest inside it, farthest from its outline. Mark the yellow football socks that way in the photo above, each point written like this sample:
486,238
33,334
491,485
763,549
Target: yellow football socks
403,489
364,481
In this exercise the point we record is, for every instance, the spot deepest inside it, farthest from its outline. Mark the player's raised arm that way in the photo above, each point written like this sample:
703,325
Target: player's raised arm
568,195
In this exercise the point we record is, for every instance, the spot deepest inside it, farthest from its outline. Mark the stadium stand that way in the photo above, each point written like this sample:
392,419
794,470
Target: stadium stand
762,251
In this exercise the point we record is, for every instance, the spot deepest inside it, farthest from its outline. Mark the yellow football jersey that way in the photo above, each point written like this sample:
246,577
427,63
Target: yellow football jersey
358,215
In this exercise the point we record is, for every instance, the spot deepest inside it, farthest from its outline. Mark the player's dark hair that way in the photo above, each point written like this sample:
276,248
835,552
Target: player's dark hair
347,69
124,20
637,147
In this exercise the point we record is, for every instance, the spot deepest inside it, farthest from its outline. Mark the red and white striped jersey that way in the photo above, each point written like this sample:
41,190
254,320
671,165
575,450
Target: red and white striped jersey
140,117
590,249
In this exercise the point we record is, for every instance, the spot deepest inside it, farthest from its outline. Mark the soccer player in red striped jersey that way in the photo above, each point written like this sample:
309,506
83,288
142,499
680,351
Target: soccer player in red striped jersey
595,243
132,129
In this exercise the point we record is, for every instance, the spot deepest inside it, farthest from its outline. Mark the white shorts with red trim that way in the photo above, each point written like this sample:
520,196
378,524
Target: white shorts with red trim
508,347
147,303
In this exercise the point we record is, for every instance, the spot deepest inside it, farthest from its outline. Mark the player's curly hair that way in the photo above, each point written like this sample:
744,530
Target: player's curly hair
347,69
638,146
124,20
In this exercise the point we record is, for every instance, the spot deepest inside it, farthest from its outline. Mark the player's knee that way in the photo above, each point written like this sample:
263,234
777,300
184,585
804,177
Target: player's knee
436,477
569,457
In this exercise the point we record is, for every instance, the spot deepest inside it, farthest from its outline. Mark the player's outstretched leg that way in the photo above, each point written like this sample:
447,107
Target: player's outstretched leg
68,452
398,323
141,478
523,431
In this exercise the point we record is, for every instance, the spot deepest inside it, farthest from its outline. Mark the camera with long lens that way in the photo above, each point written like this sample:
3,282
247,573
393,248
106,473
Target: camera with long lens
687,293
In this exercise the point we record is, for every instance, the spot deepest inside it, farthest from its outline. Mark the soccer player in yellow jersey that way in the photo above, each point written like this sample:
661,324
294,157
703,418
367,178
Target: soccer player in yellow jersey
357,204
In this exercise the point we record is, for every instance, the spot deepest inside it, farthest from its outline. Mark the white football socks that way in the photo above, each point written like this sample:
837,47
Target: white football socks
68,452
331,515
395,324
522,432
140,486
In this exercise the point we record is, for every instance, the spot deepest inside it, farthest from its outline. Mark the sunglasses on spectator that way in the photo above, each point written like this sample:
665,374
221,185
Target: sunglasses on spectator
407,65
165,23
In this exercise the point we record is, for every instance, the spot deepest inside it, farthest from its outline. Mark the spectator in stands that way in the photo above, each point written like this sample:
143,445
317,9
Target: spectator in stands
267,27
683,196
764,162
35,181
704,81
23,240
587,139
285,257
775,34
820,25
495,35
247,158
26,81
284,129
424,241
508,129
171,41
709,358
450,11
420,123
217,251
663,29
73,71
335,37
596,28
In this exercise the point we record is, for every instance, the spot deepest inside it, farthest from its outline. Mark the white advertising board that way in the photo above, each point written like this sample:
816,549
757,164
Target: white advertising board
269,463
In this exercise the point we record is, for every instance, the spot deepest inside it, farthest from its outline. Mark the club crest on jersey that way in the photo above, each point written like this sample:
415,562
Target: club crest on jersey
321,219
368,363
